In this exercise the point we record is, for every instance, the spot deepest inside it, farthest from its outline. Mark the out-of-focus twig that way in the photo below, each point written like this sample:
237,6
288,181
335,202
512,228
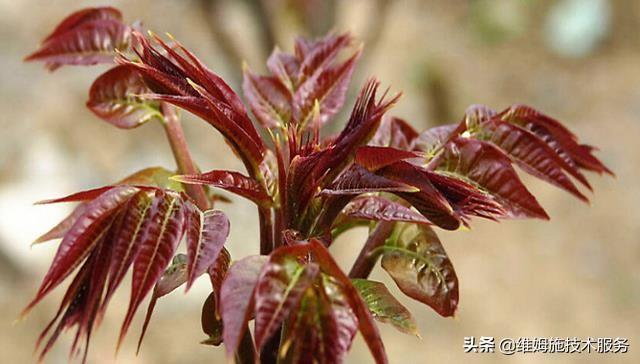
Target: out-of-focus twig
377,23
436,92
264,21
212,12
378,18
317,17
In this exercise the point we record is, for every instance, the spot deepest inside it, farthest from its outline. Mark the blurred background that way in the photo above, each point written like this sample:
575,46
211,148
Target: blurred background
577,60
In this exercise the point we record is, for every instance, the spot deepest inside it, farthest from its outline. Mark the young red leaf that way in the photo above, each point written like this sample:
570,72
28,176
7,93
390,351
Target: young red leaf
490,169
128,235
339,319
206,234
268,98
115,97
378,208
120,225
91,294
317,55
161,234
280,287
343,300
417,262
357,180
78,196
319,169
235,182
81,302
384,307
532,154
187,83
300,184
328,88
363,122
211,84
94,293
83,16
285,67
81,238
67,310
218,270
236,298
324,323
270,172
395,133
561,139
402,134
220,117
477,114
465,198
374,158
433,139
303,46
428,199
367,327
63,226
88,43
143,179
321,330
401,178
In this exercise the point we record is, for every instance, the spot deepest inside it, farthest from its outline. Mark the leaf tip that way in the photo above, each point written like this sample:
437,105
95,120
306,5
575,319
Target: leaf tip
18,320
30,57
189,284
180,178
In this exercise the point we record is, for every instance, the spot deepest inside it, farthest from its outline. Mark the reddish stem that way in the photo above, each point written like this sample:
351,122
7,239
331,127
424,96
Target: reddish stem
365,262
181,153
266,231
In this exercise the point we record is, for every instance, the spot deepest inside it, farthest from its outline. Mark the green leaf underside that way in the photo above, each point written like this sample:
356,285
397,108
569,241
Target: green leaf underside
385,307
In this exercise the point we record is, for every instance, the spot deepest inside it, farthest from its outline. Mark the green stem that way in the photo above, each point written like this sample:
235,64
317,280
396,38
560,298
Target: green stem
181,153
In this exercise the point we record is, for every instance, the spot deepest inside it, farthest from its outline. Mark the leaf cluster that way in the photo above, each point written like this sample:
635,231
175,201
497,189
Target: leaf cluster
308,188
